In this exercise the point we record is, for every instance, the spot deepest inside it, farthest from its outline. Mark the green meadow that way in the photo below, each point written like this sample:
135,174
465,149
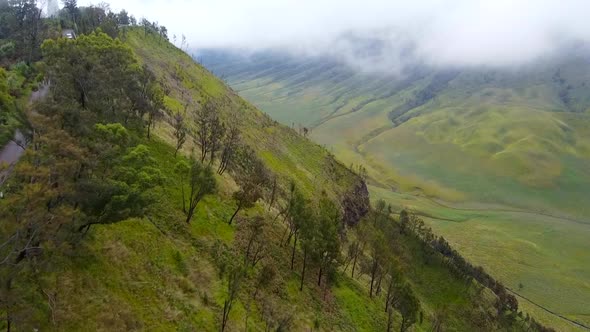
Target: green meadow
496,162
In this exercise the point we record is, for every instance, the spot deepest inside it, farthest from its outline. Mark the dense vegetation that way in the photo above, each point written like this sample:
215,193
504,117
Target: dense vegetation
151,197
7,117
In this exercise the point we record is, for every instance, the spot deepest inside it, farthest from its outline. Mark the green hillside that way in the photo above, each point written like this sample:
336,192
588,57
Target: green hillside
496,161
98,231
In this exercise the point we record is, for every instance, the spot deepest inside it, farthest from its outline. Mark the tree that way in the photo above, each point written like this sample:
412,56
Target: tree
438,319
150,99
379,252
215,140
358,248
414,224
163,33
327,244
404,221
277,317
395,280
123,18
210,130
286,209
21,21
264,278
255,230
124,193
230,144
381,212
183,43
233,286
309,234
180,132
408,306
93,79
37,216
6,102
61,187
201,182
299,215
318,231
146,26
389,311
71,6
246,197
252,176
273,192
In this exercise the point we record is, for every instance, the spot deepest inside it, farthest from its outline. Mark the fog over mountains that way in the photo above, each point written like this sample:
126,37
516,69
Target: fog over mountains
448,33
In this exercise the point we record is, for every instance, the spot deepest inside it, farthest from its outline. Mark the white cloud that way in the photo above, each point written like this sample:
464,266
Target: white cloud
459,32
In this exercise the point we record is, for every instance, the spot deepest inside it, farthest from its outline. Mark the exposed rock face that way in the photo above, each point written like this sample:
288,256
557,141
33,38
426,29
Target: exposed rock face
356,203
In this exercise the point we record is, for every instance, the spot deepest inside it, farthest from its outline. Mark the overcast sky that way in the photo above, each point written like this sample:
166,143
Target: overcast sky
459,32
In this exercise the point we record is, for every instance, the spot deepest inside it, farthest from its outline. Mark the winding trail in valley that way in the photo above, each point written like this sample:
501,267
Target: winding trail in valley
549,311
514,211
507,210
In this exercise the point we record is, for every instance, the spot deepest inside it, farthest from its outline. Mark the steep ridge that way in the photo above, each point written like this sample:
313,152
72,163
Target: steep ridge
288,153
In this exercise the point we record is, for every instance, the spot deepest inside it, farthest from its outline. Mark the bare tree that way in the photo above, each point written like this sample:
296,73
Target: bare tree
233,286
215,140
359,245
183,43
180,132
210,130
273,192
255,230
230,145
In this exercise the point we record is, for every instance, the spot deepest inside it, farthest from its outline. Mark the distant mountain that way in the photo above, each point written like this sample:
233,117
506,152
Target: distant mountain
498,159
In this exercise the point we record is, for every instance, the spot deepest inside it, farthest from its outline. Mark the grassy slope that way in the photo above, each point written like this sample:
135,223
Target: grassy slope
161,274
489,141
290,155
285,152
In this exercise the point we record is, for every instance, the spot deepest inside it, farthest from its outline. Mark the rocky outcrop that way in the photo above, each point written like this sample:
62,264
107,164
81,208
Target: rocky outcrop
356,203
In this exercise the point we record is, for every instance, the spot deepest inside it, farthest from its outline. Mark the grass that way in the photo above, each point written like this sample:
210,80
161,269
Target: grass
291,157
161,274
286,153
147,274
366,315
487,145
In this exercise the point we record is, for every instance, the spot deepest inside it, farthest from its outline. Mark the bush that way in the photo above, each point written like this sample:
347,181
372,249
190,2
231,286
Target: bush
7,50
15,83
22,69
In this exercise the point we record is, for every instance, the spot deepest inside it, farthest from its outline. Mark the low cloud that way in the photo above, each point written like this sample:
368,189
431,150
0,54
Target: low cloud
380,34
